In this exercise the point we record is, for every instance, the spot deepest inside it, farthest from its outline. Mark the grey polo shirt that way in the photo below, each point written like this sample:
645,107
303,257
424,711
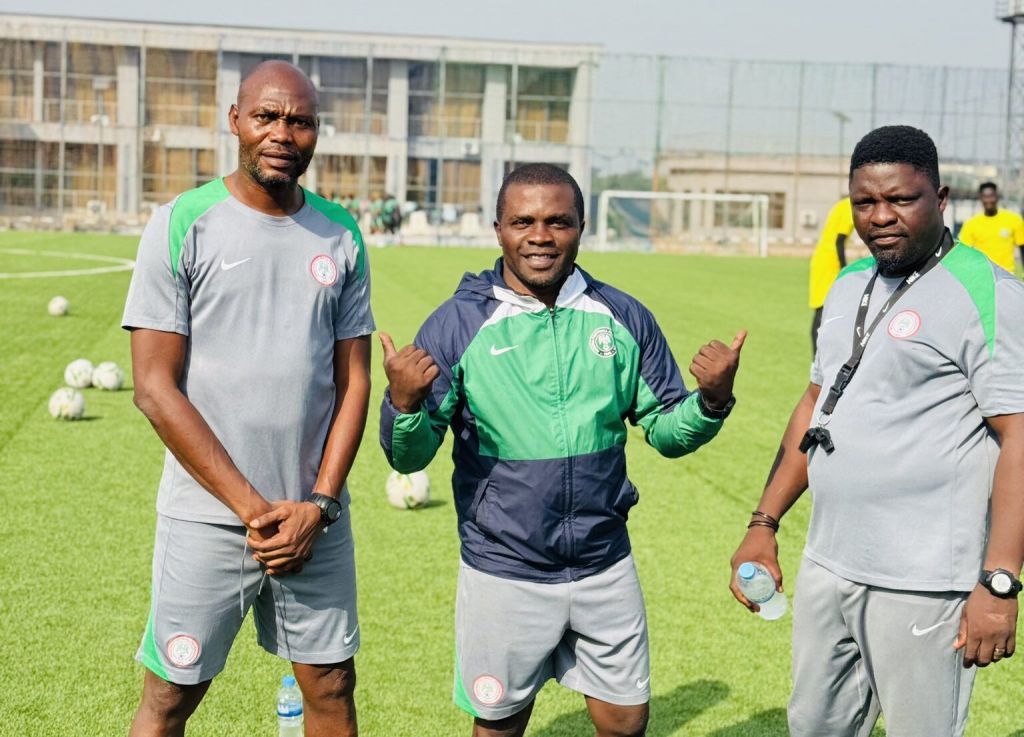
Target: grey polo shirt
903,501
262,300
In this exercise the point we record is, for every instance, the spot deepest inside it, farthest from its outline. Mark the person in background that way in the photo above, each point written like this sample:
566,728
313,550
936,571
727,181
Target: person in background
828,259
994,231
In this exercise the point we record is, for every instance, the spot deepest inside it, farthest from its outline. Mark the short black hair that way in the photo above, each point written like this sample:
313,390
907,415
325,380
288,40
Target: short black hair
539,173
987,185
898,144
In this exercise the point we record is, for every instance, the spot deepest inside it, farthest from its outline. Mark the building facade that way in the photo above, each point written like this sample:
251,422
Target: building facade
117,117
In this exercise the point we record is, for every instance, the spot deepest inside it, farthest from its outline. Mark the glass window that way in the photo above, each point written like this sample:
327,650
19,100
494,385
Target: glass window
423,98
463,100
167,172
542,103
16,79
459,115
91,84
88,177
181,88
460,184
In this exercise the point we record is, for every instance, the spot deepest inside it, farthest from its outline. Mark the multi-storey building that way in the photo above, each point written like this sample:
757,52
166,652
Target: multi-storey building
120,115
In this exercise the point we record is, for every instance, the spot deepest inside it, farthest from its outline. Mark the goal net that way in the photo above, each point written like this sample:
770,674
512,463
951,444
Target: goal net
693,222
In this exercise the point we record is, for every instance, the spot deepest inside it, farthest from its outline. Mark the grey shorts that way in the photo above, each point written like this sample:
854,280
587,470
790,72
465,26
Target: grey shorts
205,580
862,650
512,636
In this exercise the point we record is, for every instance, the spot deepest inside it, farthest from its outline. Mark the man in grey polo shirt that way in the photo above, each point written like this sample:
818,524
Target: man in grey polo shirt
250,316
915,456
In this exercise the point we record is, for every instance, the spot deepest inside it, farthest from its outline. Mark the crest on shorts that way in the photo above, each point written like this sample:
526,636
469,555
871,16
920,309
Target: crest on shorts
602,342
905,325
324,270
183,650
488,690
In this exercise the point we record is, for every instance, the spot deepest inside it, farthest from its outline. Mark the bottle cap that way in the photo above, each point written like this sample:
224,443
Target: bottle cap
288,681
747,571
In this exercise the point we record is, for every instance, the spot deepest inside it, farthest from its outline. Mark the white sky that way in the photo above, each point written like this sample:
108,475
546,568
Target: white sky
929,32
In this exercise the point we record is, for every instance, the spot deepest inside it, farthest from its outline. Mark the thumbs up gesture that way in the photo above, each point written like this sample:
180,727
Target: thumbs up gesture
410,371
714,367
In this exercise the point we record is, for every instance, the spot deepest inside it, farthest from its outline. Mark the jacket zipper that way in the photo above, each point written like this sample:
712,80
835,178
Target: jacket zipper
567,463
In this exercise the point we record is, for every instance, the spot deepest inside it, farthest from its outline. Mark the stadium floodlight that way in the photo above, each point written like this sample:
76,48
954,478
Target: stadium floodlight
642,220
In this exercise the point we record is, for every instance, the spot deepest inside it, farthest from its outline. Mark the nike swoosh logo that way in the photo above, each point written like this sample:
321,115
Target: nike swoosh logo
349,638
495,351
642,683
918,632
831,319
224,265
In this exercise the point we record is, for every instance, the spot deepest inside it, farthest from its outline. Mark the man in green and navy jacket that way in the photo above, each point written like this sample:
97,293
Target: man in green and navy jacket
536,366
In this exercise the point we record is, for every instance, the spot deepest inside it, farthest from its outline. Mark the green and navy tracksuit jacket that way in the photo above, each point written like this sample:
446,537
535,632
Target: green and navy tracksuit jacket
537,399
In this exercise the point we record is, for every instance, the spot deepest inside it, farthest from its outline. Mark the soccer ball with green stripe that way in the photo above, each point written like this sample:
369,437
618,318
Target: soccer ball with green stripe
408,490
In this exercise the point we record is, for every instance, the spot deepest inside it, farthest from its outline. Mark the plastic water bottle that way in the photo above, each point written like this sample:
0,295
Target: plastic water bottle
289,709
757,584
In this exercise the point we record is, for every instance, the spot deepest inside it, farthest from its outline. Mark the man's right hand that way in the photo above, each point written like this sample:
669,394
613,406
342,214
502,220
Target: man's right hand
759,546
410,371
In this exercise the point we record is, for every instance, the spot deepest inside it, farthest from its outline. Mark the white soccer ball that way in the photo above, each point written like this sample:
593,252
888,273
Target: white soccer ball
408,490
78,374
108,375
67,404
58,306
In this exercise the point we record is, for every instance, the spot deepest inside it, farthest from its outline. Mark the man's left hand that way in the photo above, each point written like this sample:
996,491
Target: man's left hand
298,525
714,367
988,628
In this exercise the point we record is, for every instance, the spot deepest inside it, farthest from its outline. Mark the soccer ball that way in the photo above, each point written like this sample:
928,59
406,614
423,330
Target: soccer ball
408,490
58,306
108,375
67,404
78,374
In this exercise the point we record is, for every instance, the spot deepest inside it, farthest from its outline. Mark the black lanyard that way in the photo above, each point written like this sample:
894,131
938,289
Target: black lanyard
819,435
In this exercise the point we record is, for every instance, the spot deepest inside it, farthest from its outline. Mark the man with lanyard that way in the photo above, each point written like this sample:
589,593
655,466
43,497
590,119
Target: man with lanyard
250,317
915,456
994,231
537,366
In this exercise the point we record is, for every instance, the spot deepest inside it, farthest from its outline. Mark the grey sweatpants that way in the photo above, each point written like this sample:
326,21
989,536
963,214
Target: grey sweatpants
862,650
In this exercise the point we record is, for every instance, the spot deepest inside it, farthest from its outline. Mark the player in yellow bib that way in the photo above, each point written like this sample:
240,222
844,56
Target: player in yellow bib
828,259
994,231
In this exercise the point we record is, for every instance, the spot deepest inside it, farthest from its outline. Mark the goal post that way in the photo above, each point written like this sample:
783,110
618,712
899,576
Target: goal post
689,221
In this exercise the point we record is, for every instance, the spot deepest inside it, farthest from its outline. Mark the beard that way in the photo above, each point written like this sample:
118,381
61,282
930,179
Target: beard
893,263
273,180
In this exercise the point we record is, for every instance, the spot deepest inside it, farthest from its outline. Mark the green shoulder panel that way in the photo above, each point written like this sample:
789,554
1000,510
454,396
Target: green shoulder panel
861,265
338,214
974,271
188,208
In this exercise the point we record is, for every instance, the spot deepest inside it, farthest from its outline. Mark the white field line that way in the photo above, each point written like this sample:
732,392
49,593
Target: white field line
120,264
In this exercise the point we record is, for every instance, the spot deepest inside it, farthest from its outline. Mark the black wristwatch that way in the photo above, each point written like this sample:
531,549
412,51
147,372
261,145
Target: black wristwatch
1001,583
715,414
330,508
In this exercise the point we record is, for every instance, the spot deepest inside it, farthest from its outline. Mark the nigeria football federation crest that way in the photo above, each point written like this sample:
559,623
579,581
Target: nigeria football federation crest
324,270
602,342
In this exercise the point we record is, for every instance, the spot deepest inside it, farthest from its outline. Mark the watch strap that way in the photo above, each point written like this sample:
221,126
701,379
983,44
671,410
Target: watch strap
715,414
325,503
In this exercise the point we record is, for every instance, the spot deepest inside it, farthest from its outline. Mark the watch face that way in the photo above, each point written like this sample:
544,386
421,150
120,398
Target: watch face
333,511
1001,583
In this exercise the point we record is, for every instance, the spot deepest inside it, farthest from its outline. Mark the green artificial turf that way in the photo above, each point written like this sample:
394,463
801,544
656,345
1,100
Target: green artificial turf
78,516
